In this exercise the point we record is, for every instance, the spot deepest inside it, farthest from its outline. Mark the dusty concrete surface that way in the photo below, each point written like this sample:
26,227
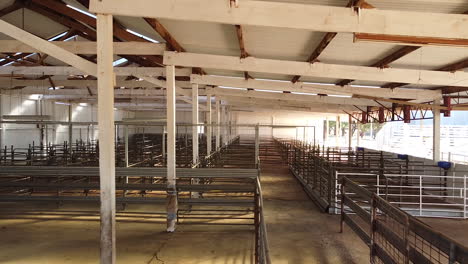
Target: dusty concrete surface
298,232
66,241
456,229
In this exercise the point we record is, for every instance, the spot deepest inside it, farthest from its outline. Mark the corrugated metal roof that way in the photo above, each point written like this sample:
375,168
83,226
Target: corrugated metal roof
34,22
277,43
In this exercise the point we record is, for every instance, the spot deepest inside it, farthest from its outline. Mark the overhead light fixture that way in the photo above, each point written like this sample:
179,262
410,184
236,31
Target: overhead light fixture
81,11
142,36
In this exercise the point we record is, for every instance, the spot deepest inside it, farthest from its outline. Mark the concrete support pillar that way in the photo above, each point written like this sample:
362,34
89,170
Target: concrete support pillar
2,128
228,119
70,128
172,206
350,132
164,144
223,125
436,133
218,123
272,124
195,122
106,81
209,122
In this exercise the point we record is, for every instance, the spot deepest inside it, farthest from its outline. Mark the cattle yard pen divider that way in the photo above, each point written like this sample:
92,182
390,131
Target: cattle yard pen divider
392,235
419,189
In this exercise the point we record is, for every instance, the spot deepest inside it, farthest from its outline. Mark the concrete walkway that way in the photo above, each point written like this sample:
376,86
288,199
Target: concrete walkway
298,232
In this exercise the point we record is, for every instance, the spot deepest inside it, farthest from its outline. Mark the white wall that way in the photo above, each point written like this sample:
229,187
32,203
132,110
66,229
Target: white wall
288,118
21,135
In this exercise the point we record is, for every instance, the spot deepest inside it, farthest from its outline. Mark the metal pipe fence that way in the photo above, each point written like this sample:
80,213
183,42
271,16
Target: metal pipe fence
393,236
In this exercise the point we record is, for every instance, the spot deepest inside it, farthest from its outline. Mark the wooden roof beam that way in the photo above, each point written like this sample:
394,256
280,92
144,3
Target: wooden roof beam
322,70
383,63
318,50
325,41
453,67
243,52
11,8
119,31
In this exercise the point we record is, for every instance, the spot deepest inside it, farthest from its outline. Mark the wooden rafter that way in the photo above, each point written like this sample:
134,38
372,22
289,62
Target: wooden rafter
120,32
323,43
383,63
171,42
243,52
318,50
11,8
453,67
240,38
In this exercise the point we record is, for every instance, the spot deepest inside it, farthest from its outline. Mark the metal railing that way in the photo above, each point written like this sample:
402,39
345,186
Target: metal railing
262,251
454,157
418,195
425,195
392,235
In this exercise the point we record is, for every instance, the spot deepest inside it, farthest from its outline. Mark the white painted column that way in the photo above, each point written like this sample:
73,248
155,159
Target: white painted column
70,128
223,124
2,128
195,121
171,150
350,132
209,128
106,81
218,123
164,145
436,133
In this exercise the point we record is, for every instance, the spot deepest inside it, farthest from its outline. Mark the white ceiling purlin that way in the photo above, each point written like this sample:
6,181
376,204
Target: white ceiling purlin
317,69
87,47
287,105
317,99
301,87
6,82
48,48
294,15
68,70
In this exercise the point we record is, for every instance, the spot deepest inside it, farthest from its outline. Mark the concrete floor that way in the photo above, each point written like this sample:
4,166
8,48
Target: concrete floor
298,233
